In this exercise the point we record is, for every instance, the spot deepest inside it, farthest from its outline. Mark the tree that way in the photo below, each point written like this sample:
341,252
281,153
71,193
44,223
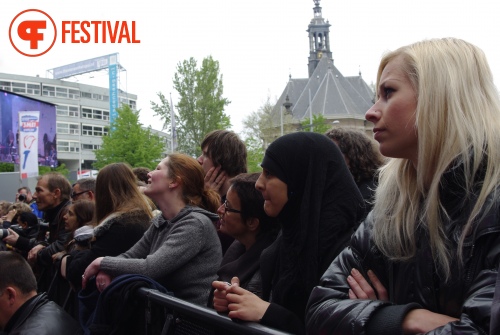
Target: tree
318,125
255,128
128,142
200,108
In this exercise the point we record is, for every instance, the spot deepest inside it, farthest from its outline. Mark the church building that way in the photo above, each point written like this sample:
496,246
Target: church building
342,101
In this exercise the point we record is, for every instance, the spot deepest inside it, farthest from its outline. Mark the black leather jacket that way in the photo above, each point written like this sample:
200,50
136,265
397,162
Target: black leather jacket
41,316
413,284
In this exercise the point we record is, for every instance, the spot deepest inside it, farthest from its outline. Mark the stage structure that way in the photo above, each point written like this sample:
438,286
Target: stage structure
27,133
109,62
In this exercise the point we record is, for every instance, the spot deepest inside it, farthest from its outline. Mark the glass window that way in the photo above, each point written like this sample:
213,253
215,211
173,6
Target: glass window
66,110
68,146
68,128
86,95
33,89
19,87
90,146
61,92
49,91
74,94
93,130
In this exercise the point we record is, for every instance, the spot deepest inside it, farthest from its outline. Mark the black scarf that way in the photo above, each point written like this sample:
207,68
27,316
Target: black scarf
323,210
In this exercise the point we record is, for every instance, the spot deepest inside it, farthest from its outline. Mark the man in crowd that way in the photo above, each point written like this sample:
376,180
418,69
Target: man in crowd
52,195
84,189
22,310
224,156
24,195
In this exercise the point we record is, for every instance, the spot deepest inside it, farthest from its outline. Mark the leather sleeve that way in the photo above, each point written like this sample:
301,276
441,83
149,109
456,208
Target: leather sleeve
330,310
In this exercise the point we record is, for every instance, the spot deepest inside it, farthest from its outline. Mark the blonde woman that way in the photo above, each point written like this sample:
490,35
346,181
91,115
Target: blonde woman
122,215
426,258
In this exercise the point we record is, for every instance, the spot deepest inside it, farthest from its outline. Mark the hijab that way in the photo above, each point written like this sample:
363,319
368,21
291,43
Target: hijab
324,208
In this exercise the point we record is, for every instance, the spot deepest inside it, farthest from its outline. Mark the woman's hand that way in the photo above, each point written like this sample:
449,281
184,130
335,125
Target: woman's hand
243,304
10,215
361,289
422,321
102,280
57,256
11,238
91,271
215,178
220,301
33,253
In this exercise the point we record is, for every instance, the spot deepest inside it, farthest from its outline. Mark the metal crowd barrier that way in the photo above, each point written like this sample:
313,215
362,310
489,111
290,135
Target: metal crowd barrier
186,318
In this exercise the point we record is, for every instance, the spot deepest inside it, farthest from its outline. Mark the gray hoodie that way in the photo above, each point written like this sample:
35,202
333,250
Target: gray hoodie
182,254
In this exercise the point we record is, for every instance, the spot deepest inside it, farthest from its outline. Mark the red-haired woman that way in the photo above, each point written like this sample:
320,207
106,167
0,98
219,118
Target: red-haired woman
180,250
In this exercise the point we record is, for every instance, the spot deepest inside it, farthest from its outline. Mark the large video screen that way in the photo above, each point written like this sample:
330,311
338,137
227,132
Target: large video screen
10,105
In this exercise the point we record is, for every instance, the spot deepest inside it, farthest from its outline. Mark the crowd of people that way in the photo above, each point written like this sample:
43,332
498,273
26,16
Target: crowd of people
339,233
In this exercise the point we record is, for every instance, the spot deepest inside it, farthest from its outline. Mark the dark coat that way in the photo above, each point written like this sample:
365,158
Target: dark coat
118,236
41,316
414,284
323,210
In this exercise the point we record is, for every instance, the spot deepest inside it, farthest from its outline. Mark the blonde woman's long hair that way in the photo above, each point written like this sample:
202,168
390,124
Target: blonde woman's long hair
458,122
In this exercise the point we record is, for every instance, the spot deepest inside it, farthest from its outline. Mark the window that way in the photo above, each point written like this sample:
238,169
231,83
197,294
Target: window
68,128
131,103
68,146
96,96
74,94
67,110
90,146
19,87
94,130
86,95
5,85
48,91
96,114
33,89
61,92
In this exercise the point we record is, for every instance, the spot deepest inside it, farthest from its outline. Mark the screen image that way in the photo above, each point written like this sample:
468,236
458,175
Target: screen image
10,105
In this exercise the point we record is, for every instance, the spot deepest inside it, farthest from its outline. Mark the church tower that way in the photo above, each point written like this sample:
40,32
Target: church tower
319,38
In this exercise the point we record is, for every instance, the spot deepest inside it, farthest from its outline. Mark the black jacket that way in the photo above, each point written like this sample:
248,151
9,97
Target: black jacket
413,284
41,316
118,235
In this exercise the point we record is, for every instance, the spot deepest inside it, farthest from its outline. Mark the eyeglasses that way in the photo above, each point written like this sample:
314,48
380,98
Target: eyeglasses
229,209
74,195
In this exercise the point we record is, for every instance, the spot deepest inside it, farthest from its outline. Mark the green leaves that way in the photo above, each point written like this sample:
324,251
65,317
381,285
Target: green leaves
200,108
129,142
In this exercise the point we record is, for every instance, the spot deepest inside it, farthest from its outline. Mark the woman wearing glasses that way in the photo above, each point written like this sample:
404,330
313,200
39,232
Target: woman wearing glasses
307,186
180,250
122,216
242,216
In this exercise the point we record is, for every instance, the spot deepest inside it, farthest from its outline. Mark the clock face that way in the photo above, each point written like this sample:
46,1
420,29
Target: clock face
320,54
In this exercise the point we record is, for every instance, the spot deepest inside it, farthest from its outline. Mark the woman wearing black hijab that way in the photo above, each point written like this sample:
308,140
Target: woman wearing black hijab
308,187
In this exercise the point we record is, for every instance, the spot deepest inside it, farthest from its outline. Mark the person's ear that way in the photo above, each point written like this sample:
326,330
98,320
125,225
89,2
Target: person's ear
11,294
57,193
174,183
253,224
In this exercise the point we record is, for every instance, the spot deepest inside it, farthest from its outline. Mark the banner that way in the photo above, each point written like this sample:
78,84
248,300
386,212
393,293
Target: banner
28,143
113,89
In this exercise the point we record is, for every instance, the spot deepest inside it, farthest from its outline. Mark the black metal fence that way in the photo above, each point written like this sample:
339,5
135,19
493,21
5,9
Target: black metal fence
176,316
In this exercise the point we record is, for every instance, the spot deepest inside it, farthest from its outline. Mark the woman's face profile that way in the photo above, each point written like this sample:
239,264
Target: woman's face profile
393,114
231,221
274,191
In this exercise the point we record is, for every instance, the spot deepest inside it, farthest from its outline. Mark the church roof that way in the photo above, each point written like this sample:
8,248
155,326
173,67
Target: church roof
326,92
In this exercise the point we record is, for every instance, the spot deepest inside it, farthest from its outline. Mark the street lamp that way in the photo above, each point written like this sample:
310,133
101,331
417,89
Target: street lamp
287,104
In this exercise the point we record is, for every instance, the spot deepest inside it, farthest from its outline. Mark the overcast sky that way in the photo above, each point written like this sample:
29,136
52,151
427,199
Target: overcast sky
258,43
